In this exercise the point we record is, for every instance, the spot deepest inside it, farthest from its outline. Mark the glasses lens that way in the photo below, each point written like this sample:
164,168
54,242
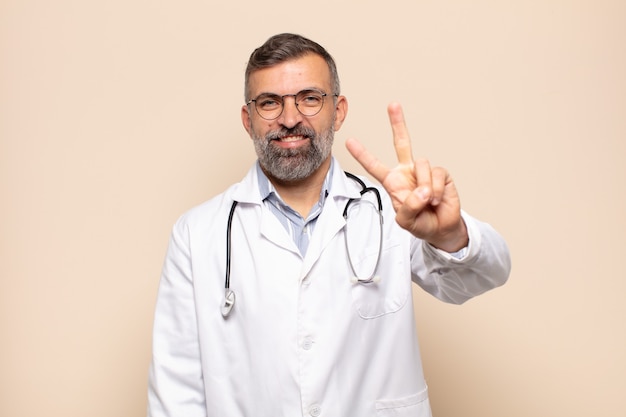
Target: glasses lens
269,106
310,102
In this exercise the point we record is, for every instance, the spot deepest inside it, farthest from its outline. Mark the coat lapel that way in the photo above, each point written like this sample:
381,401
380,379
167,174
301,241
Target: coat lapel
330,221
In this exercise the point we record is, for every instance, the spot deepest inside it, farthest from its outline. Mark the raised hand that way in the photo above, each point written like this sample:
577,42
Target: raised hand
425,199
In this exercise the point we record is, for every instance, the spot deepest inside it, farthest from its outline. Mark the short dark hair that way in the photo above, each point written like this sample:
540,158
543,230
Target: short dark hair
284,47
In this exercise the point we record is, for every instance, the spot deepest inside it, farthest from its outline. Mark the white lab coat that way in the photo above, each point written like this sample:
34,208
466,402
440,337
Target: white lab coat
302,339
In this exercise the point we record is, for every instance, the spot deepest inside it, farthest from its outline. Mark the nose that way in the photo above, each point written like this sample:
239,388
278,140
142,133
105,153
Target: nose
290,116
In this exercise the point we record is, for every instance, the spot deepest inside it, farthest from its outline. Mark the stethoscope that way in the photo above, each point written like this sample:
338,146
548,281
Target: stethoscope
229,295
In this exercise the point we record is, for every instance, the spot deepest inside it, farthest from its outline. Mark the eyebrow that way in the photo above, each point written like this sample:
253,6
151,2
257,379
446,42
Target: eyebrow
321,90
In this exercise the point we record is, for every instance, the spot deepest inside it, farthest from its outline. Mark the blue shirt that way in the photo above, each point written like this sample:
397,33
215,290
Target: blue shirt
299,228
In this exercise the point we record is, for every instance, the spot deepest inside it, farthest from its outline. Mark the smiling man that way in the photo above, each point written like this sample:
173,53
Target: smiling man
292,119
290,293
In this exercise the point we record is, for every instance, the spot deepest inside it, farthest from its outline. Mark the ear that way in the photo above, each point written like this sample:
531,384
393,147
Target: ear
341,111
245,119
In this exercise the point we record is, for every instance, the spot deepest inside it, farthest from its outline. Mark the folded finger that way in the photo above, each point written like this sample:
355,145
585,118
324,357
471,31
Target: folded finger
409,211
439,179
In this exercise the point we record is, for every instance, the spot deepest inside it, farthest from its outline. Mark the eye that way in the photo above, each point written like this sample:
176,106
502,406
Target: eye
268,102
310,98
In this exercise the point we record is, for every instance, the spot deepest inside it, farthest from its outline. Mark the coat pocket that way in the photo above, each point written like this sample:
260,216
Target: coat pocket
391,292
416,405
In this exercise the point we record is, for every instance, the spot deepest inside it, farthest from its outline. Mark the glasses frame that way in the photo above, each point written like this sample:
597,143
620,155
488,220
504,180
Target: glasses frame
282,102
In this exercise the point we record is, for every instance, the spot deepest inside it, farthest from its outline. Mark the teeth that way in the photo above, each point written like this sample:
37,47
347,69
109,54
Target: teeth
292,138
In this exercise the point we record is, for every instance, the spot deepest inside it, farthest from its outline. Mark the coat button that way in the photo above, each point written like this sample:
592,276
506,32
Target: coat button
315,410
307,343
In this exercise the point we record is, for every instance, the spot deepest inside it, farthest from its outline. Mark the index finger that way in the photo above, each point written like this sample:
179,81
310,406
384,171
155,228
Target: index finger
368,161
401,139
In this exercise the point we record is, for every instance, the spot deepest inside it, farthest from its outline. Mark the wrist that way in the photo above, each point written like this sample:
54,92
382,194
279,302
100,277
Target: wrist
452,241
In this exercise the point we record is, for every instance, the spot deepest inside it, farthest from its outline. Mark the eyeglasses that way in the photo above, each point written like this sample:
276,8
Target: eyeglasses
271,106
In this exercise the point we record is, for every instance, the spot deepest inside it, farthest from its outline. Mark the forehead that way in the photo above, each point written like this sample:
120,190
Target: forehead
308,71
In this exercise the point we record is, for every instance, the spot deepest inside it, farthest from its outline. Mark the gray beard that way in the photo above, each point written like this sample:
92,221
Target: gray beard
293,164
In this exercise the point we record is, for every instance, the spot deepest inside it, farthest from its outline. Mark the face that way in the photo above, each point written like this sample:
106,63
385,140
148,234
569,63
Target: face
294,147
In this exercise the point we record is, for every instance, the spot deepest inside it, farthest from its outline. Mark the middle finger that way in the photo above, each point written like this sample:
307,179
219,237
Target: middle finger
401,139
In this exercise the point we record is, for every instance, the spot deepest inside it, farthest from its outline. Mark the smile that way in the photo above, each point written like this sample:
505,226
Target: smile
292,138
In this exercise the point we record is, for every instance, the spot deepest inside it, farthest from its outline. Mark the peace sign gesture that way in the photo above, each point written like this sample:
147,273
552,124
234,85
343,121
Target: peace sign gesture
425,199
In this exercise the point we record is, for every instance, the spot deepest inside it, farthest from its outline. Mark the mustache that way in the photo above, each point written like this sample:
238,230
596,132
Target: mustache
294,131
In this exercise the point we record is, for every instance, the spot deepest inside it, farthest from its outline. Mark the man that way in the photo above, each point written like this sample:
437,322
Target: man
272,303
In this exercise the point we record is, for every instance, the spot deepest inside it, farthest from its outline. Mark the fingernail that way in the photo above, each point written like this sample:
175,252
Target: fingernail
423,193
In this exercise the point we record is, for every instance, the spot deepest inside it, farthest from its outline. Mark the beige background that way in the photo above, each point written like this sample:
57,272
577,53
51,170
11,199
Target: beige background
116,116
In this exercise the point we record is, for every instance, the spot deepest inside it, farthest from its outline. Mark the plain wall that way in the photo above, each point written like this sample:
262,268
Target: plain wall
117,116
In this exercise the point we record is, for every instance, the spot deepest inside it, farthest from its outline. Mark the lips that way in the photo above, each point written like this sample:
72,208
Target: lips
297,134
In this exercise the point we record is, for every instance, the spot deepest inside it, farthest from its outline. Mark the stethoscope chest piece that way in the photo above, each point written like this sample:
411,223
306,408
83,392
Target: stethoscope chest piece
229,302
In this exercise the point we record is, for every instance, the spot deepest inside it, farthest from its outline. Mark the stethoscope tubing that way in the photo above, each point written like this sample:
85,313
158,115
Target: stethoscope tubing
229,295
228,242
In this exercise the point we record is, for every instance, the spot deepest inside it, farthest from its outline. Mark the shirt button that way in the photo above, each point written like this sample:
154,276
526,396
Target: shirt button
315,410
307,343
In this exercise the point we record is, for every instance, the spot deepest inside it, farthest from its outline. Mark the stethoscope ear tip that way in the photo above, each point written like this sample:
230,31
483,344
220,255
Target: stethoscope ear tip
229,302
